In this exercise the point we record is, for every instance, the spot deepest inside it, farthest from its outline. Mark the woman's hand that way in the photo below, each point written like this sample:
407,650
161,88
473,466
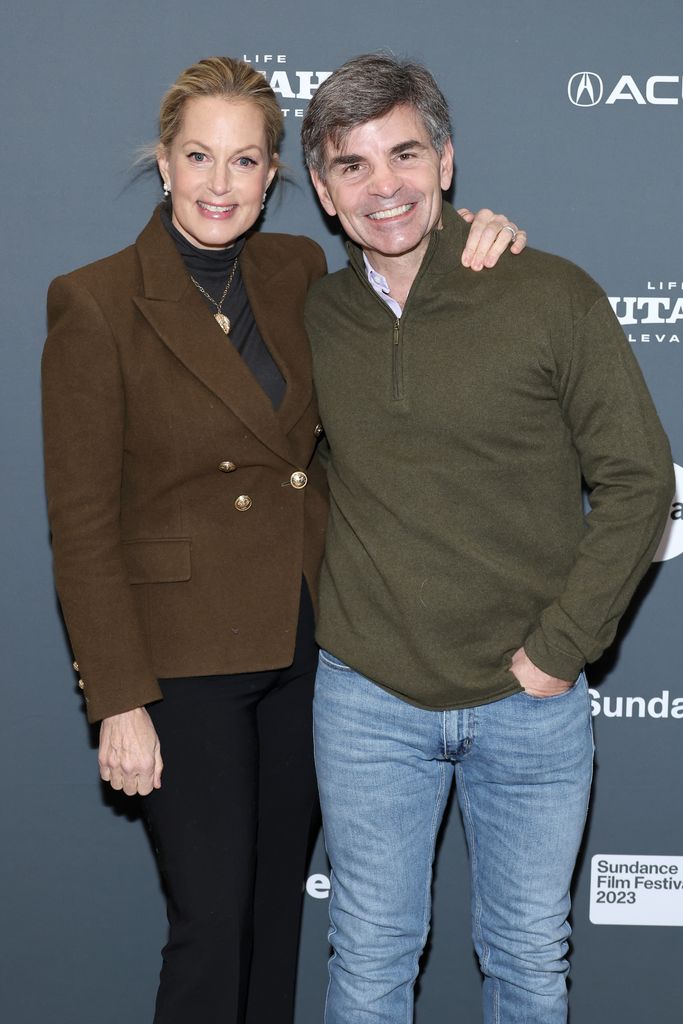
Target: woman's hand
533,679
130,756
490,235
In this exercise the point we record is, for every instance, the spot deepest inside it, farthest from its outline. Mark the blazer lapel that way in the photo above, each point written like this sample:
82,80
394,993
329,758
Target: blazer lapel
174,309
277,306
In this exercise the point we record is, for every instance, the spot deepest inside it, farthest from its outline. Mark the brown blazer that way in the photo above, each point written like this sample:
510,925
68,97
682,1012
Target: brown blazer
179,534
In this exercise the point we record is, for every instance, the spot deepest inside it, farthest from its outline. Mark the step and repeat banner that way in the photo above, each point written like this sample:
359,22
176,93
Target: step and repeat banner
568,118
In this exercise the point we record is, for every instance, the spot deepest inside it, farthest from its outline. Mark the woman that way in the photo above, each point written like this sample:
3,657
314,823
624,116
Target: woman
188,515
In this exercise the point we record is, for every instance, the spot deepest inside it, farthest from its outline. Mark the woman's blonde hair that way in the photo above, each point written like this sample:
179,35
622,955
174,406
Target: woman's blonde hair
231,79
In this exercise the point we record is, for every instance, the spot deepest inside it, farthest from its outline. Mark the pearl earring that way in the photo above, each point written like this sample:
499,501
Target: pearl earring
167,189
263,203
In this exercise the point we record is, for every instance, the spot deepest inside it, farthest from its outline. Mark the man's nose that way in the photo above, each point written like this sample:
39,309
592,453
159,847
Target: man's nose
385,182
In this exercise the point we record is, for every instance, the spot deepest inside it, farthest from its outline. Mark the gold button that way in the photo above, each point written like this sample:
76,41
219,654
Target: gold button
318,429
227,467
243,503
81,684
298,480
76,668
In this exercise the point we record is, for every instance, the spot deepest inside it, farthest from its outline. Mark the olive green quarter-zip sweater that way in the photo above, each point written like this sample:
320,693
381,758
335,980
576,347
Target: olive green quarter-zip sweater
459,436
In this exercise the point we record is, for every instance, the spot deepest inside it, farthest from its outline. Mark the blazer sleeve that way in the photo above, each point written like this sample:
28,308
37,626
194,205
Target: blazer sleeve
319,261
84,421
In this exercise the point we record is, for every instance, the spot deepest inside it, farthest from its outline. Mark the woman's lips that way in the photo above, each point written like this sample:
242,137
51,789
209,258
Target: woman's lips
216,211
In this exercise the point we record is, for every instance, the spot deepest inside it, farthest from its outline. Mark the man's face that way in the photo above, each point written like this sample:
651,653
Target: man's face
385,183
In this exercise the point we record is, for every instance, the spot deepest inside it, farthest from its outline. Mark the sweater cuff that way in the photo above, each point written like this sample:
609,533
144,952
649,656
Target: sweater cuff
549,659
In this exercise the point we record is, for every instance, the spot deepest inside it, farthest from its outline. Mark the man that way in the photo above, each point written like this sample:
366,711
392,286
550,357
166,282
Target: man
463,588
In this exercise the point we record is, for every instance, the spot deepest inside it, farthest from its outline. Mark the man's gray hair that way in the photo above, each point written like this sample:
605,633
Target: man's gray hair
363,89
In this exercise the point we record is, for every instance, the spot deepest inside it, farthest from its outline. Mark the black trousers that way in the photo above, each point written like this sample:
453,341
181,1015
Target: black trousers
232,826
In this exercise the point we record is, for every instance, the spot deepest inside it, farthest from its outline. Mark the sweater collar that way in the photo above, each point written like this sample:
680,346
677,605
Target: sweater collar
443,253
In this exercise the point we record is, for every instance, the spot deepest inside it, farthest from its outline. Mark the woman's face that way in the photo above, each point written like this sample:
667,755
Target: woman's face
218,169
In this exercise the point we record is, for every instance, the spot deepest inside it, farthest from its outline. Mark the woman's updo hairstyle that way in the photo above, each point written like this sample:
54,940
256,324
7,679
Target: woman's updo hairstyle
233,80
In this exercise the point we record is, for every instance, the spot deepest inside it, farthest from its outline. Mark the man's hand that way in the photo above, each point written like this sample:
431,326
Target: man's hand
130,756
534,680
490,235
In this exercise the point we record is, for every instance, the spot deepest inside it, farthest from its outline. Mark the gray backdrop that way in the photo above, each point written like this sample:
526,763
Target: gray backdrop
82,913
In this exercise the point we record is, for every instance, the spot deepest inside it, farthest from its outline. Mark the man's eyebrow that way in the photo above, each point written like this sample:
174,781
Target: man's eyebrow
346,159
401,147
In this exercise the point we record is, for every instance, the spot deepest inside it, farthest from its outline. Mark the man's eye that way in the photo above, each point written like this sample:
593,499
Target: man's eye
351,168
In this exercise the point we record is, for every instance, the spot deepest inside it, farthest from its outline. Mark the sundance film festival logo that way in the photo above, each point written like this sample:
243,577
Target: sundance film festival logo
643,889
660,313
587,88
294,88
661,707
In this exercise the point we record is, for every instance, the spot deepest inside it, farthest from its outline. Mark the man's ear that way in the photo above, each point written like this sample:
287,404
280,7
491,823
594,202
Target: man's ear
323,194
446,165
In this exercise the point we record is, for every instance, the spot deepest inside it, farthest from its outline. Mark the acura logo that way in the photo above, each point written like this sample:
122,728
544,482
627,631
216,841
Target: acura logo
585,89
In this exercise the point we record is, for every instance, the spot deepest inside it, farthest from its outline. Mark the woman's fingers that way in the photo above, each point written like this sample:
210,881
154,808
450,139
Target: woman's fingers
490,235
129,755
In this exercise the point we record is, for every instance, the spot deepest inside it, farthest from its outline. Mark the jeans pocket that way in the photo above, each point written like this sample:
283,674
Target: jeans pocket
580,679
331,662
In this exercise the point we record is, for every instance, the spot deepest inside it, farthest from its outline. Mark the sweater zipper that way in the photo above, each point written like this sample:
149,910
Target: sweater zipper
397,349
397,360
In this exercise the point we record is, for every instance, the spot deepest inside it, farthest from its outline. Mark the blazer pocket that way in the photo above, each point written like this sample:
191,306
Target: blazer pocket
158,561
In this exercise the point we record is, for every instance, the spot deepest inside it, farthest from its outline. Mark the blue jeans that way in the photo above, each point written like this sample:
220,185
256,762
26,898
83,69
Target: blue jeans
523,769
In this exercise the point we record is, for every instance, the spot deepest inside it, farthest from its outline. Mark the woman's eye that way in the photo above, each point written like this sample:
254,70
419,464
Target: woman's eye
246,161
197,158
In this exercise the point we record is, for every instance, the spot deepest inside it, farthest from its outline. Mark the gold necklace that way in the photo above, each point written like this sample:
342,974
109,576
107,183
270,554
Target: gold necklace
219,316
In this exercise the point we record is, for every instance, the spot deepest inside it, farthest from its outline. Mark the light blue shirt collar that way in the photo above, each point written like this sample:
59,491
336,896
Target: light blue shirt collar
380,286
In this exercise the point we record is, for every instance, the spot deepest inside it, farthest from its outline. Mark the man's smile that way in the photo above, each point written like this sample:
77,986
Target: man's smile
396,211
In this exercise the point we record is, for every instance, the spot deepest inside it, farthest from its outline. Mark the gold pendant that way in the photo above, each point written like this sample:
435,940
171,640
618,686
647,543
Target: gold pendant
222,321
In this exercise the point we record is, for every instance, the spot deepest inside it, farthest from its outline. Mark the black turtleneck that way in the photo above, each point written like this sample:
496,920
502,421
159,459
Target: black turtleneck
211,268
